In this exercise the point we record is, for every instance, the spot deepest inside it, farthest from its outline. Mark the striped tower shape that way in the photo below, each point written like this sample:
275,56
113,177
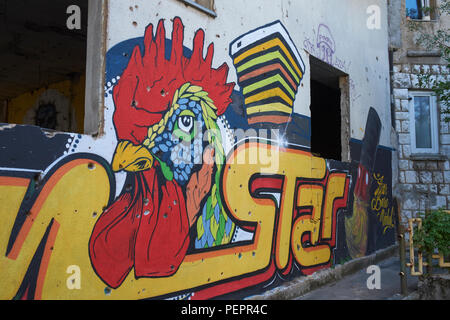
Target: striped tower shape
269,69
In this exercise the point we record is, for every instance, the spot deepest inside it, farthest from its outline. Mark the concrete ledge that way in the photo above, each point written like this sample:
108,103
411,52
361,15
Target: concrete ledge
424,53
428,156
303,285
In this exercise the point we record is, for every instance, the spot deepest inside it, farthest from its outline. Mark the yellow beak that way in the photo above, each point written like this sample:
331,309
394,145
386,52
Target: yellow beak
131,158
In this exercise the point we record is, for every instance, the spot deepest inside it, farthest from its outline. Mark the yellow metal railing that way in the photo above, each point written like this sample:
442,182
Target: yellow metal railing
420,263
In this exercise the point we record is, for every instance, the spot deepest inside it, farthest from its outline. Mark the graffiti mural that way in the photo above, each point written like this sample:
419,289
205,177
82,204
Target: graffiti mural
200,188
163,110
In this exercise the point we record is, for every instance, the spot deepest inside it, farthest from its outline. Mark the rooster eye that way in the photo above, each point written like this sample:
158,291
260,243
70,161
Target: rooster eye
186,123
184,128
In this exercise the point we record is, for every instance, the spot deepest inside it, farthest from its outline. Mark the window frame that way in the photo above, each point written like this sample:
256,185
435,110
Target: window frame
198,6
95,67
434,122
424,4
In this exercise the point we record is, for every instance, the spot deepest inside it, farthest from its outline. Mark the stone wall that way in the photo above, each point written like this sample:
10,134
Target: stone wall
423,181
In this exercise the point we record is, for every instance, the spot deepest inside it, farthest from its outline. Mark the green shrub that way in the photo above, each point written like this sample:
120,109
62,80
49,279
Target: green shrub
435,232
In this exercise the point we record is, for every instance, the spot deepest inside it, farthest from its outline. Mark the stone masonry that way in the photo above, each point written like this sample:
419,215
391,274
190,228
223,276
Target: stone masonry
423,180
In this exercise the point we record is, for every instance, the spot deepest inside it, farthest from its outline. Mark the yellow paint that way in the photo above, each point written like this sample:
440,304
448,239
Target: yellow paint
276,106
275,92
293,165
72,90
11,272
131,158
307,257
77,221
335,189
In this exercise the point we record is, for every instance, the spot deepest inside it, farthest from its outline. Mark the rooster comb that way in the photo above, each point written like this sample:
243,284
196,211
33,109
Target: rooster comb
162,76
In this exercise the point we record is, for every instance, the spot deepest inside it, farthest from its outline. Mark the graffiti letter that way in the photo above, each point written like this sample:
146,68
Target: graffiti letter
38,245
74,20
74,280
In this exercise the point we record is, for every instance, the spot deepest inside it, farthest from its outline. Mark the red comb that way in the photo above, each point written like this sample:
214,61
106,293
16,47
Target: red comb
146,87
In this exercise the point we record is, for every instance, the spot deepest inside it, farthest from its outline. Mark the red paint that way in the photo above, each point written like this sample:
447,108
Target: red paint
151,238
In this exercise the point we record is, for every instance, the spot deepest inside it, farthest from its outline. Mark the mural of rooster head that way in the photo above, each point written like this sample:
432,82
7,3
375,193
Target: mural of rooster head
170,146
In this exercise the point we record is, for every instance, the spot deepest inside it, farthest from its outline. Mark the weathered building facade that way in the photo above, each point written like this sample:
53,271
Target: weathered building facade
227,147
423,134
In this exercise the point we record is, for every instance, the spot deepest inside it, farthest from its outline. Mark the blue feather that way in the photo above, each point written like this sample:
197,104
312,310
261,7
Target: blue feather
217,212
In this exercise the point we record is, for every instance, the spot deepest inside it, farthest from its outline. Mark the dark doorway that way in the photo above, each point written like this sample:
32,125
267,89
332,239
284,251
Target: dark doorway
326,116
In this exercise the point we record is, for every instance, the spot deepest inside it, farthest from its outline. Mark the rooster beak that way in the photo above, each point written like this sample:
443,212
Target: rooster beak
131,158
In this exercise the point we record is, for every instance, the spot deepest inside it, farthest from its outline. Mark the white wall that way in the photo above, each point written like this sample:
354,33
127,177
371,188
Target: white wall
360,52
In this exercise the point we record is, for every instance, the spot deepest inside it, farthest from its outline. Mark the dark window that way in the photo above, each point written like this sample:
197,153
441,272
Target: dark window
325,121
326,115
43,63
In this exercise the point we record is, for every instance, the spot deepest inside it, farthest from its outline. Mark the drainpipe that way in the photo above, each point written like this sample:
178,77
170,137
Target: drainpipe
391,74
